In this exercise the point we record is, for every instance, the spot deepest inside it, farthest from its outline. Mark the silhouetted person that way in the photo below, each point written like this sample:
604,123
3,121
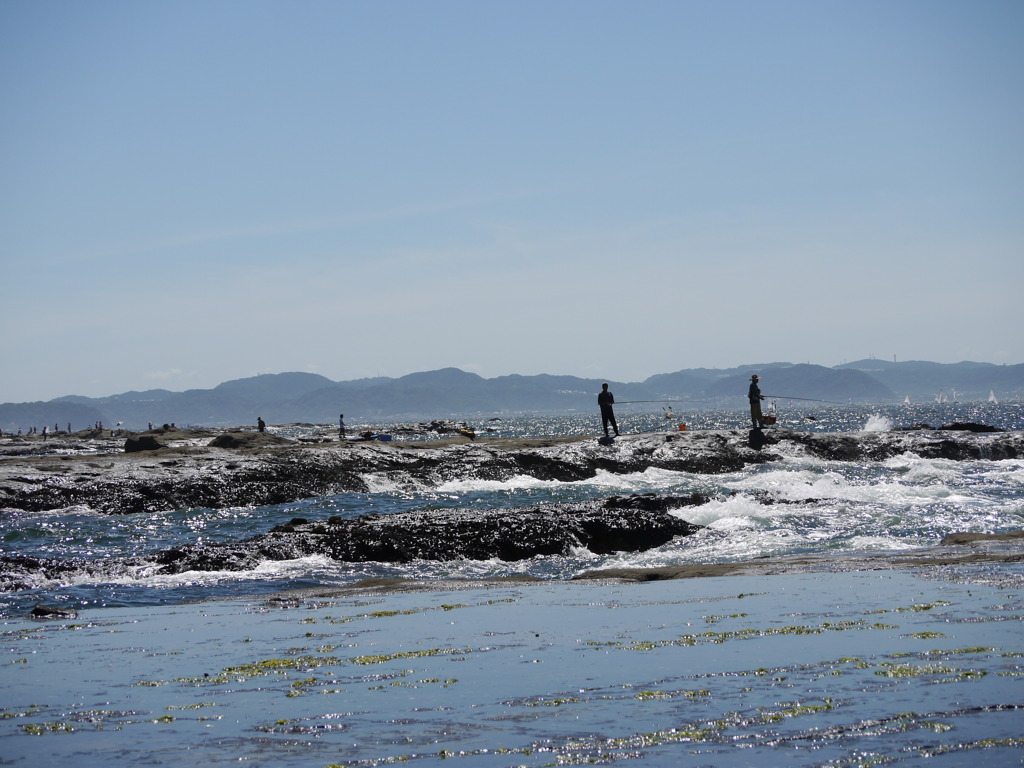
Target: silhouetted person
606,399
755,397
260,424
341,426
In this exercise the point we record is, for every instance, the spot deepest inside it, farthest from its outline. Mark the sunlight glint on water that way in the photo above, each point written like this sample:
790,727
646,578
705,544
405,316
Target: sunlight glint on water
798,504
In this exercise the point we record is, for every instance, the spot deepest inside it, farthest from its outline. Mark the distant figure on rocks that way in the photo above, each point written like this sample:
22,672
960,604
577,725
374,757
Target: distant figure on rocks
605,400
341,426
260,424
755,397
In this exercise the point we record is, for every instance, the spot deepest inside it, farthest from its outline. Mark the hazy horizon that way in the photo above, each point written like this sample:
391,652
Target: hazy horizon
207,190
764,363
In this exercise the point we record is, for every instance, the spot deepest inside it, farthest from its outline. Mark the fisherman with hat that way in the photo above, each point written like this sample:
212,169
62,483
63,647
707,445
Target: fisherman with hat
755,397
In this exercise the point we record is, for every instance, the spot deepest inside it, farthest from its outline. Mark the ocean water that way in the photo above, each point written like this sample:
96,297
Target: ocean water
818,506
885,668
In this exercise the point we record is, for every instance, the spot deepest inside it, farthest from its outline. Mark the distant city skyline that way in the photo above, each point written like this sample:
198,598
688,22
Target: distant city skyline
207,190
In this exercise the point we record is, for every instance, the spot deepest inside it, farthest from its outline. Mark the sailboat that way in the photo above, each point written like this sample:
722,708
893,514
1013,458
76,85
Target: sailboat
992,397
906,400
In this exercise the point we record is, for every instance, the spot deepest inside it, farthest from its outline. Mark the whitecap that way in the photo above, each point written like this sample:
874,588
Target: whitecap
877,423
266,570
877,543
516,483
397,483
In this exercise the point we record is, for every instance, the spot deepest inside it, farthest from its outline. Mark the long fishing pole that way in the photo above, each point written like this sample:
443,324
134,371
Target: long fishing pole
698,399
809,399
627,402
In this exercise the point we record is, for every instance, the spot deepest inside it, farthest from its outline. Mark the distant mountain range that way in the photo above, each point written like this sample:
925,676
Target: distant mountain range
451,393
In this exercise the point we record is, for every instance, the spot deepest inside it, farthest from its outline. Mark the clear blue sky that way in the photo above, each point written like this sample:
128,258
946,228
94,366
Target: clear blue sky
196,191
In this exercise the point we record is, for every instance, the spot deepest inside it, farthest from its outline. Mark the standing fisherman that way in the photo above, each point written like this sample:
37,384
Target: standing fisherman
755,397
606,399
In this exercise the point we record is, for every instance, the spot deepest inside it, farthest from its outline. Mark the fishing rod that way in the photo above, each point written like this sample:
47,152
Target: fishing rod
704,399
627,402
674,400
809,399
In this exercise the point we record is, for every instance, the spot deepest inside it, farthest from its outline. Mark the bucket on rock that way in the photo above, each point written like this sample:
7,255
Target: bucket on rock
682,427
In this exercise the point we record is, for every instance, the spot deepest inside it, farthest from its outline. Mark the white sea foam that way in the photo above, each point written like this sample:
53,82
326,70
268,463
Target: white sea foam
391,483
734,509
267,570
917,469
877,423
638,482
877,544
516,483
652,479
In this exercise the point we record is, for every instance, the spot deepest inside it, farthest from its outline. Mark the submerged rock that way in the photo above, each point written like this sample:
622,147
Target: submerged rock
953,539
52,612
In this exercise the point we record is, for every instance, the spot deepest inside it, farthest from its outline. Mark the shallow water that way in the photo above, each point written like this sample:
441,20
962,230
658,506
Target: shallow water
845,669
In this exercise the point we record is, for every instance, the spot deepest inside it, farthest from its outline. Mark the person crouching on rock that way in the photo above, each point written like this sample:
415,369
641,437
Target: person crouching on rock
755,397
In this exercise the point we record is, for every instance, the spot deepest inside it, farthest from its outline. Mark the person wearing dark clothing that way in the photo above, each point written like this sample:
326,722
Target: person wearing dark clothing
755,397
260,424
606,399
341,426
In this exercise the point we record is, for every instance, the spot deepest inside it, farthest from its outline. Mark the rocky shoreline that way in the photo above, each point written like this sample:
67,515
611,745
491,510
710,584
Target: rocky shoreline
247,469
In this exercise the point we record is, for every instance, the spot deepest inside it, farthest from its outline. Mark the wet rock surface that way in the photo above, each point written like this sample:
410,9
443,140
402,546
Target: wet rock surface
943,561
257,470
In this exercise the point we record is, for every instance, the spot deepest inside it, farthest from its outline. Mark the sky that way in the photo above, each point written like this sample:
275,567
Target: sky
204,190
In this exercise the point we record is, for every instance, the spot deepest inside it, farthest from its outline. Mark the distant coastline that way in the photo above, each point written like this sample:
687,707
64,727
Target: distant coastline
296,397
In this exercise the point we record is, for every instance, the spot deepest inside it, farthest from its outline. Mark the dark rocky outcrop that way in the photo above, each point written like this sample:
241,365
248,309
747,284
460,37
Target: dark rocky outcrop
615,524
612,525
249,469
137,443
249,440
52,612
962,426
